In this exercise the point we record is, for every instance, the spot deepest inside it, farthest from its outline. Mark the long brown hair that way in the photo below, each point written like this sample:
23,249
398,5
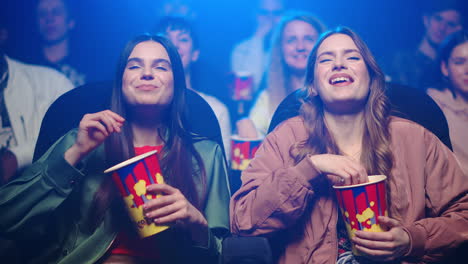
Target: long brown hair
276,80
181,164
376,154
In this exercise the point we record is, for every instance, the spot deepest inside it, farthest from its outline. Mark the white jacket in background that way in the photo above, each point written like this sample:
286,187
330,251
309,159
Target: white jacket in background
222,114
29,92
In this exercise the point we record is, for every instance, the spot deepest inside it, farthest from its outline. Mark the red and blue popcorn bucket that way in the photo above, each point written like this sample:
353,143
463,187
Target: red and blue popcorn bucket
242,86
131,178
242,151
361,204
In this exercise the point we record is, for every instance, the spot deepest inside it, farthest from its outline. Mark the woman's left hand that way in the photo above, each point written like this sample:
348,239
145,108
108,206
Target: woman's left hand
383,246
172,207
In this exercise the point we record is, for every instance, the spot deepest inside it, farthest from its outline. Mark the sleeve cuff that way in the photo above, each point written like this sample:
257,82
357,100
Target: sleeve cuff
58,171
418,237
305,171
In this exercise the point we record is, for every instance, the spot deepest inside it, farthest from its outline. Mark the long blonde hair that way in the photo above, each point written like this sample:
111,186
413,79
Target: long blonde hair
276,79
376,154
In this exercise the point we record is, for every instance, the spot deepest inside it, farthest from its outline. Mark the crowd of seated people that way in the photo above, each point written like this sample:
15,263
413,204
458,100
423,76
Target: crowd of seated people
325,111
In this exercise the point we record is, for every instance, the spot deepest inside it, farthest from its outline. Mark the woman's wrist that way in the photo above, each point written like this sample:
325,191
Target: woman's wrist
199,230
73,155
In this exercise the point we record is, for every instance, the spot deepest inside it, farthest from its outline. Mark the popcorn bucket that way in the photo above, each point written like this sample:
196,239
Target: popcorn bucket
242,151
361,204
242,86
131,178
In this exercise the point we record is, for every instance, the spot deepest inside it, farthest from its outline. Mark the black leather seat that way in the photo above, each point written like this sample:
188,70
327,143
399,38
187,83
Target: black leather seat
407,103
67,111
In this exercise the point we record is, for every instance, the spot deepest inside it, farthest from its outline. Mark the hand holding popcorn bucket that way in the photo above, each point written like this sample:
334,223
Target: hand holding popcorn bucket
361,205
131,178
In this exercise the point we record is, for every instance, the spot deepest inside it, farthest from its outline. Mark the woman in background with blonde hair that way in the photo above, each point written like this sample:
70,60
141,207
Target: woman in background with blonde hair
293,39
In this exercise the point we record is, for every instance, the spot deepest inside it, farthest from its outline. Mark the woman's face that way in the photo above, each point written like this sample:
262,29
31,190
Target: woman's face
341,78
456,68
148,77
297,41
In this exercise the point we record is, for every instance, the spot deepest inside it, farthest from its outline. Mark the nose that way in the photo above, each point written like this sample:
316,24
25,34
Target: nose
300,46
339,64
147,74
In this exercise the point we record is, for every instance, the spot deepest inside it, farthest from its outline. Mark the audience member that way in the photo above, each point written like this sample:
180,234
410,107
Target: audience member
250,55
55,22
26,91
292,41
453,100
344,134
416,67
181,34
73,204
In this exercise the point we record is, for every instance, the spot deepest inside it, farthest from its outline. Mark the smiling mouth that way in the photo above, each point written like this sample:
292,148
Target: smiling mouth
339,80
147,87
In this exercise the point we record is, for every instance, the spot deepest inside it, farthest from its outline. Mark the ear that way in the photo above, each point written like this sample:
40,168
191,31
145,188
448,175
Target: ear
444,69
195,55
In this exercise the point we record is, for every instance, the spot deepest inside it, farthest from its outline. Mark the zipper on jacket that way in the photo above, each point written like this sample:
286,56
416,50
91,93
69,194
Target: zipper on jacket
24,126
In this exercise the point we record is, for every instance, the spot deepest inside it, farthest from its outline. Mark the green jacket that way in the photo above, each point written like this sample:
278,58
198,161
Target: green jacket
48,207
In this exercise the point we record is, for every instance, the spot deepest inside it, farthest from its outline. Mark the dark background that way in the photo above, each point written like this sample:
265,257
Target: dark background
104,26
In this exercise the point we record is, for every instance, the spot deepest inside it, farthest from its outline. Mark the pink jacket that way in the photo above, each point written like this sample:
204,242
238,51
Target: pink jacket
294,206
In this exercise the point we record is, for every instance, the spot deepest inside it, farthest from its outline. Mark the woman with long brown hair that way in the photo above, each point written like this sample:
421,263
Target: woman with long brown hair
343,134
67,201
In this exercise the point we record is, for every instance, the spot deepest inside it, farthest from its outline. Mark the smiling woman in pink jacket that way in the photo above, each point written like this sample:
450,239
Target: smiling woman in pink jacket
343,134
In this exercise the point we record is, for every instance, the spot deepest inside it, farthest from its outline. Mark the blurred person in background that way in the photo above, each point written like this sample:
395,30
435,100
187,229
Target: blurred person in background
181,33
250,55
292,40
416,68
55,20
453,98
26,92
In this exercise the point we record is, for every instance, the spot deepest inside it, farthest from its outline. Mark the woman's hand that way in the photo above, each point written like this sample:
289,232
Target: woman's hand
92,131
340,170
383,246
246,128
173,208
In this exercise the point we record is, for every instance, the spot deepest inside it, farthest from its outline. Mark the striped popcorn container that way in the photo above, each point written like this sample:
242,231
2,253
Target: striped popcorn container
361,204
242,151
131,178
242,87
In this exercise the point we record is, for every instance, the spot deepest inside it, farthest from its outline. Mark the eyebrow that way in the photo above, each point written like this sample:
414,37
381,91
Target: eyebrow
156,61
331,53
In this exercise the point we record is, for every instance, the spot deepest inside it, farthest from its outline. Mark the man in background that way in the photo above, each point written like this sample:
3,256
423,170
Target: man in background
55,22
250,55
26,92
416,68
181,33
